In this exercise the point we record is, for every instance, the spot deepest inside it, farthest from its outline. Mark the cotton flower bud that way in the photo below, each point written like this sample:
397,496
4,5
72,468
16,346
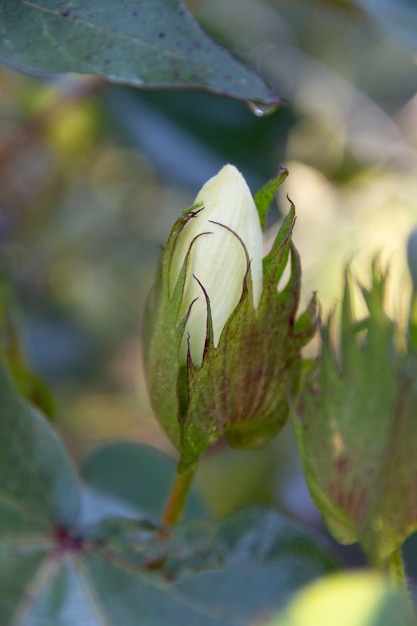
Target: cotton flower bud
222,343
218,239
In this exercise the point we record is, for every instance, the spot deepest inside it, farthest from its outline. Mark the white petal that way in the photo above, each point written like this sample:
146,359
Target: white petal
217,258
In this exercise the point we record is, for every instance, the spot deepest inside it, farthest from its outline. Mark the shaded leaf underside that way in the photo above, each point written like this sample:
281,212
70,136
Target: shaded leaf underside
251,564
134,42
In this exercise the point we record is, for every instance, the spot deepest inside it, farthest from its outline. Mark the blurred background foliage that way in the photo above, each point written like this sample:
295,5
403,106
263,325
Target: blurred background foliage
90,191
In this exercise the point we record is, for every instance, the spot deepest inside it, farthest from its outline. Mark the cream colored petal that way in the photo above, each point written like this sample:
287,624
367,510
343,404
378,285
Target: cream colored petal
217,258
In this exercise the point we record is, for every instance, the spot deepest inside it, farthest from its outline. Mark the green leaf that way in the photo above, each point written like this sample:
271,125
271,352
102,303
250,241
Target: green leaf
54,572
250,564
137,475
38,496
135,42
38,486
265,558
359,599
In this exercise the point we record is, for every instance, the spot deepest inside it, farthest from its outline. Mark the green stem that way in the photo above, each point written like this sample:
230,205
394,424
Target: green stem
397,572
177,499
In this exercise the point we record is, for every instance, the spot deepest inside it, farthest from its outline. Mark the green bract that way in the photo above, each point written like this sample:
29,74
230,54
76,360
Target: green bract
238,379
358,434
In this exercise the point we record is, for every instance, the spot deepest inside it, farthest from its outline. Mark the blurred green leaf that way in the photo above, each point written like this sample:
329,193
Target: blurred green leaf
207,130
52,572
265,559
354,599
135,42
38,494
137,475
250,564
38,486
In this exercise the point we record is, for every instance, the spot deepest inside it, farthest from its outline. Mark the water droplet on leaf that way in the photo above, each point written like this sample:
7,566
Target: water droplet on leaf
261,110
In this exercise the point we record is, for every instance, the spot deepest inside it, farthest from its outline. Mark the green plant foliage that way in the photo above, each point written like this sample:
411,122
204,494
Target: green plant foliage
358,439
135,42
250,563
38,494
265,557
265,195
137,475
348,599
54,570
38,487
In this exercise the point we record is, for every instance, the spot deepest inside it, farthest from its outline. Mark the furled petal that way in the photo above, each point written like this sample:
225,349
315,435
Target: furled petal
217,257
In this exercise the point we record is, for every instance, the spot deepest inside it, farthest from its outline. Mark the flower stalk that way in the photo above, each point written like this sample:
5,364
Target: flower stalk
177,499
